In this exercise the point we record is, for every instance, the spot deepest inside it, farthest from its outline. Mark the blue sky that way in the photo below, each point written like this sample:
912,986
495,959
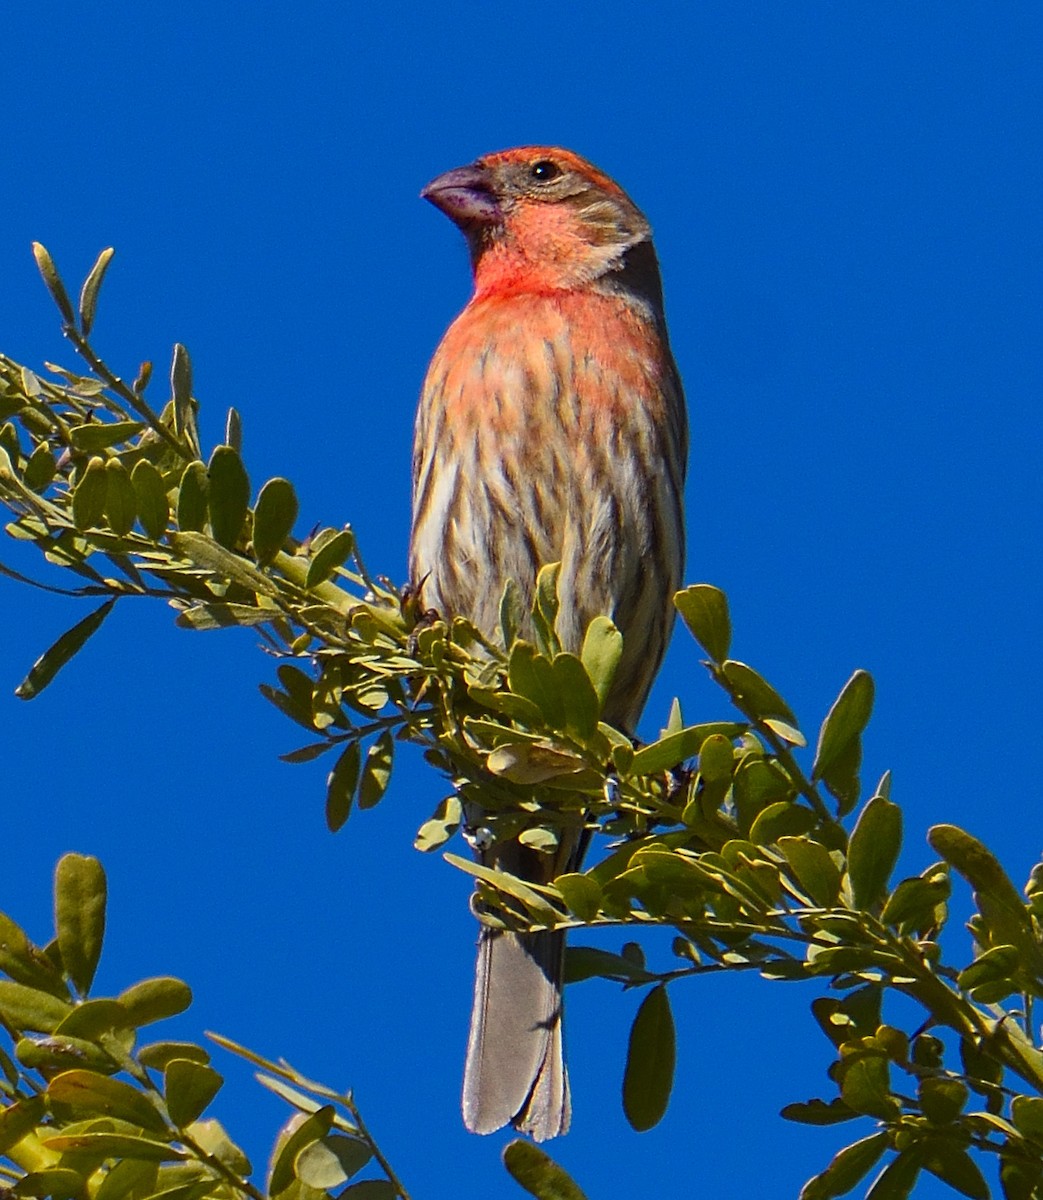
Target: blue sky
846,206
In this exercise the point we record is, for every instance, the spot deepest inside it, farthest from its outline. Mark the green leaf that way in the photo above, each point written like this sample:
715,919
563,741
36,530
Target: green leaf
528,762
536,904
53,280
189,1087
942,1099
590,962
675,748
330,1162
115,1145
205,552
29,1009
120,505
545,604
602,650
88,498
211,1135
370,1189
88,1094
1026,1112
866,1087
181,393
340,786
100,435
844,723
513,616
815,870
40,468
754,692
716,758
376,772
847,1169
26,963
228,498
535,1171
328,554
274,517
91,287
954,1166
54,1053
531,675
704,609
79,916
158,1054
192,498
580,701
818,1112
150,497
51,661
873,851
234,430
581,893
897,1180
444,822
996,970
129,1180
60,1183
301,1133
155,1000
649,1074
912,906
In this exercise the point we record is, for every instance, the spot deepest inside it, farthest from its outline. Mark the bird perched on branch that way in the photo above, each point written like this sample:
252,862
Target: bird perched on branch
551,428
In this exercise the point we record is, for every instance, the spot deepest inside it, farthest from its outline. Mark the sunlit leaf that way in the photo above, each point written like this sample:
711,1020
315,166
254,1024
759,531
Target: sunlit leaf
704,609
79,916
91,288
535,1171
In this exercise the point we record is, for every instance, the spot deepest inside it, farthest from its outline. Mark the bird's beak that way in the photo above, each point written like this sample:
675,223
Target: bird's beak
465,195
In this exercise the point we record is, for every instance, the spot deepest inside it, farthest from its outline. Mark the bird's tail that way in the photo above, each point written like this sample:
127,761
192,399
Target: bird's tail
515,1068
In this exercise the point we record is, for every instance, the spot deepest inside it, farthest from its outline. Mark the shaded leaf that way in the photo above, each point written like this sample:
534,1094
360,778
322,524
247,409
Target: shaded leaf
228,496
120,505
815,870
150,497
116,1145
298,1133
100,435
40,468
205,552
61,1183
848,1168
192,498
649,1074
953,1165
535,1171
181,392
52,660
88,497
844,722
589,962
873,851
581,893
340,786
376,771
79,916
274,517
158,1054
189,1087
26,963
327,555
818,1112
704,609
529,762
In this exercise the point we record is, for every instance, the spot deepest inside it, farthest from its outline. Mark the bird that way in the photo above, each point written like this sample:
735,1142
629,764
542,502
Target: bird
551,428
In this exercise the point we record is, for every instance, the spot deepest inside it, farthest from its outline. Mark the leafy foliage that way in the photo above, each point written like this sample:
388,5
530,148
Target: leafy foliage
717,829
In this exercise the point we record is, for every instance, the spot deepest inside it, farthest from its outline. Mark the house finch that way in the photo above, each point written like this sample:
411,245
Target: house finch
551,428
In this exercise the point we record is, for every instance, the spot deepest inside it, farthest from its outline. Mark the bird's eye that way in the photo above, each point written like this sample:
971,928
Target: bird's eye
544,171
